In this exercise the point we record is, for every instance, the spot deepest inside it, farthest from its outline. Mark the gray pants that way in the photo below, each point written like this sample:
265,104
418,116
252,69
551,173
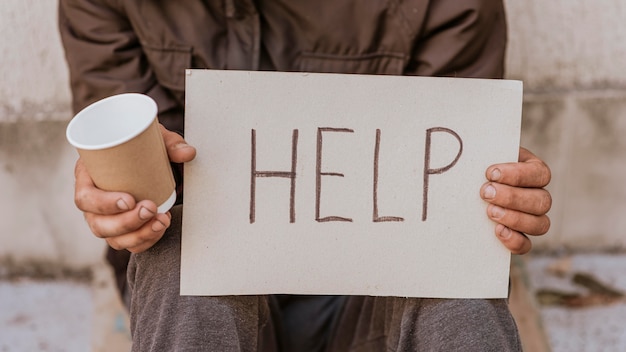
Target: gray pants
162,320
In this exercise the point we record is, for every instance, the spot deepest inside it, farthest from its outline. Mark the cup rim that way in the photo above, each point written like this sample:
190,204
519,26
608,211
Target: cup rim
151,107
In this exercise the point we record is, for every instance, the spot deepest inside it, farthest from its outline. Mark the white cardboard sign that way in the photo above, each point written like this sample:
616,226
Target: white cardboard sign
344,184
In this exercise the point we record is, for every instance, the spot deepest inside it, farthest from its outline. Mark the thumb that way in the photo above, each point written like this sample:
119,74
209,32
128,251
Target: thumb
177,148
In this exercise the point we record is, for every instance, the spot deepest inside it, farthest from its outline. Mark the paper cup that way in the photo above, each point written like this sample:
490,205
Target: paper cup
119,141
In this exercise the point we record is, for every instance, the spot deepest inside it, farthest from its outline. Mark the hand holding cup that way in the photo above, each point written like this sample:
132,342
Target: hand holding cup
124,220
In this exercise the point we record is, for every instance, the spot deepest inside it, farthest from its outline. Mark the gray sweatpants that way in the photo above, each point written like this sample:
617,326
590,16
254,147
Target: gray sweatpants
162,320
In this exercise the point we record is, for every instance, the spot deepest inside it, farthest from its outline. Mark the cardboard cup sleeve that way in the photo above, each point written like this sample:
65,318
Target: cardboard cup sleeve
119,141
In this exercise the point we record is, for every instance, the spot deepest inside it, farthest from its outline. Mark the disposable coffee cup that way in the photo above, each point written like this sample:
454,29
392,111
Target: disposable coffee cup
119,141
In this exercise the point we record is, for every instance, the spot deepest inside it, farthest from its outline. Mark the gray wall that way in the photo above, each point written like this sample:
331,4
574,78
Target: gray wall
569,53
42,233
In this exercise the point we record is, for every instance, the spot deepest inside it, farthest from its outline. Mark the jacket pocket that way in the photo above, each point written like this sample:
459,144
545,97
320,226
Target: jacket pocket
169,65
386,63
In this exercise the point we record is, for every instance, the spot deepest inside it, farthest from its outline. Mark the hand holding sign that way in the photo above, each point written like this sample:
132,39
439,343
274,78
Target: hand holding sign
518,201
294,170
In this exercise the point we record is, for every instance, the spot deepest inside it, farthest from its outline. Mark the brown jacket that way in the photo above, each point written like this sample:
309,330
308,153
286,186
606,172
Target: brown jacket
118,46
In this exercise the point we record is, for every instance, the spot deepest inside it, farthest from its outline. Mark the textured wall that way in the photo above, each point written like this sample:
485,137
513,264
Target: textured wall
33,71
567,45
569,53
42,233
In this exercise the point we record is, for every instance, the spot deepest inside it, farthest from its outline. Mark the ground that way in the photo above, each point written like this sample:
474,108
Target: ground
555,311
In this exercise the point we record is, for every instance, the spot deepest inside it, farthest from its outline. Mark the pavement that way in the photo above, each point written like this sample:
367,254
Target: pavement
63,315
581,300
555,309
44,316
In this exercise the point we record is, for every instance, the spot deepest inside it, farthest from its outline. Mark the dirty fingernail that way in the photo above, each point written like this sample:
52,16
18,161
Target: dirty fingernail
490,192
497,212
495,174
122,205
158,226
145,214
505,232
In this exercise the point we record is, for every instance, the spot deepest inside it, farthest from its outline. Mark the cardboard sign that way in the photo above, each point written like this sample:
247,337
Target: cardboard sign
344,184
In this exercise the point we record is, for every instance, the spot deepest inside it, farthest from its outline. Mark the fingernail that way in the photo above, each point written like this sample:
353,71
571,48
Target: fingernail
497,212
145,214
122,205
490,192
158,226
180,145
504,232
495,174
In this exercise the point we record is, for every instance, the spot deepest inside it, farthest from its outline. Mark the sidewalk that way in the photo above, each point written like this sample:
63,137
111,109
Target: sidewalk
78,316
579,315
63,315
44,316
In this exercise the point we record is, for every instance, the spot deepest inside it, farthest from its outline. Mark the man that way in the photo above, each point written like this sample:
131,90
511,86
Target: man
116,46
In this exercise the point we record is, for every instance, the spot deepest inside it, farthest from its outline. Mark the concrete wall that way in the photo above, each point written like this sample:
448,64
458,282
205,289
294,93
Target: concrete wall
42,233
569,53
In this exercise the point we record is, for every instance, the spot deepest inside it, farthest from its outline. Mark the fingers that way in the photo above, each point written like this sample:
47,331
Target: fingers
144,237
177,149
514,241
535,201
512,225
91,199
116,216
135,230
535,225
530,171
518,201
105,226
